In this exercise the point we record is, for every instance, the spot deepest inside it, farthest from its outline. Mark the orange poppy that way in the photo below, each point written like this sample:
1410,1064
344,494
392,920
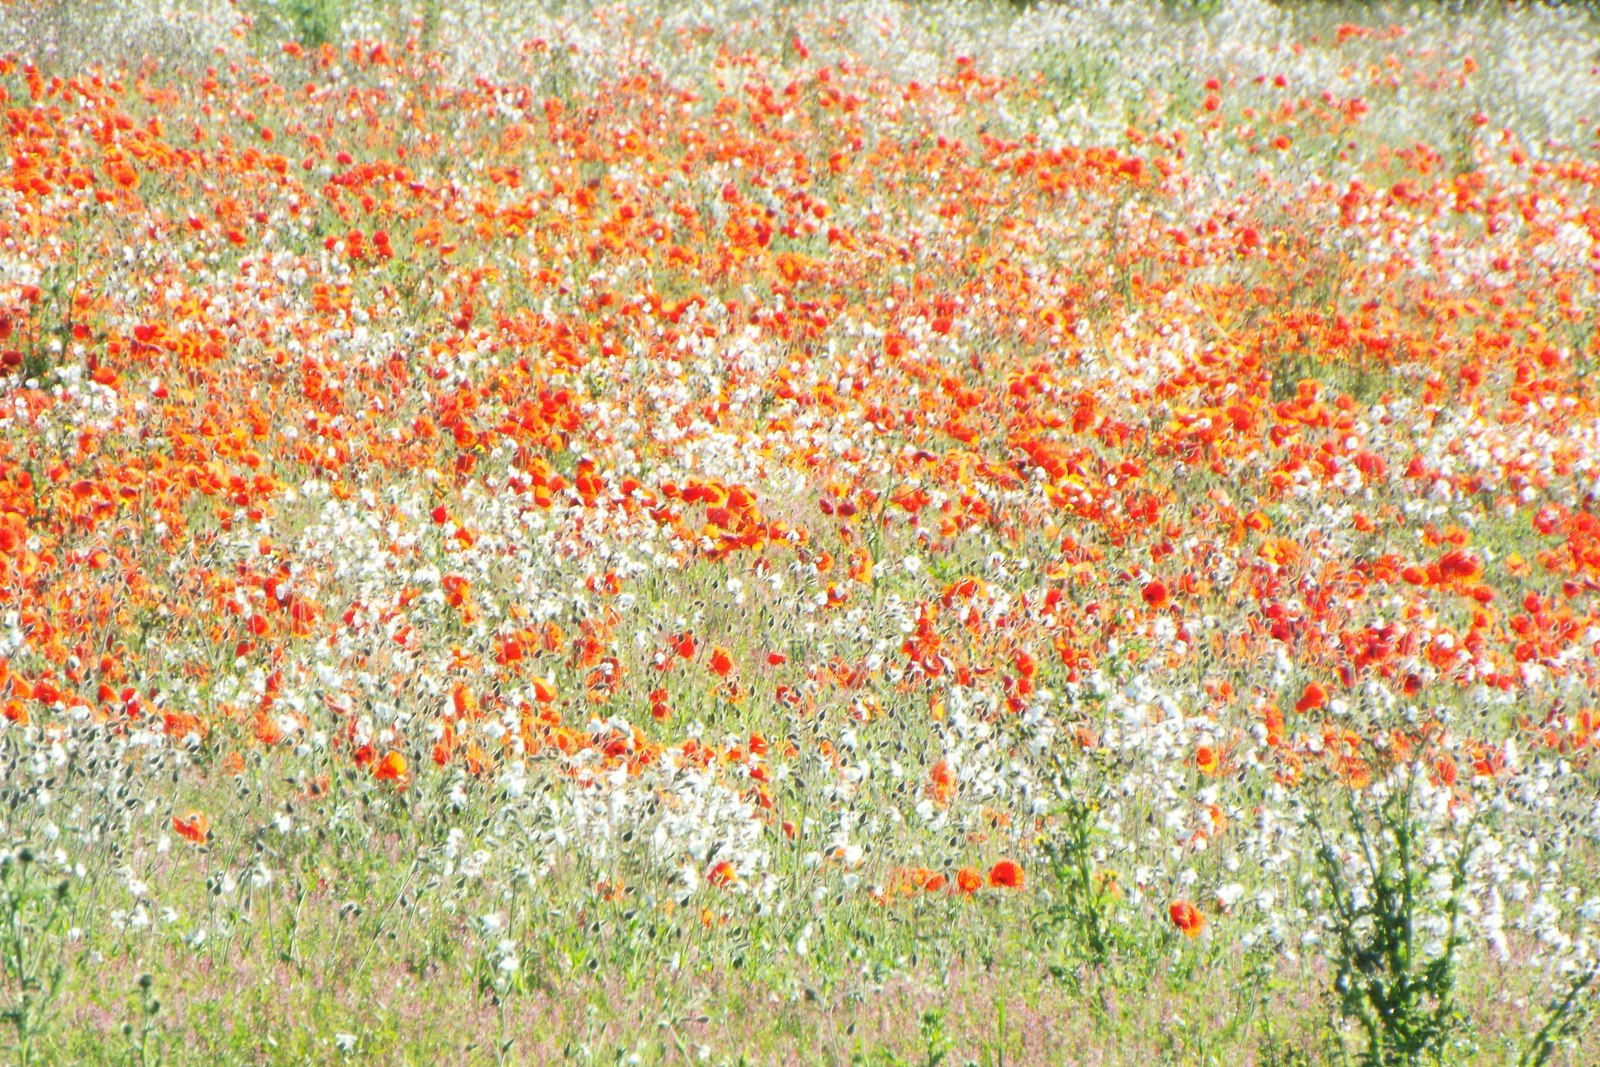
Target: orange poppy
1186,917
192,826
392,768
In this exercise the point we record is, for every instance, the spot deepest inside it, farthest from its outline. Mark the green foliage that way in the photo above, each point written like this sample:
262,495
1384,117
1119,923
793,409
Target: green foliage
50,327
936,1046
1401,993
1283,1054
937,1043
315,22
145,1044
1077,909
1564,1019
1077,72
33,922
1080,911
1199,9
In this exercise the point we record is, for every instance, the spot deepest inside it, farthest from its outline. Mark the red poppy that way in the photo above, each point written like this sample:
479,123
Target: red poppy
1006,874
1313,698
1460,565
659,709
192,826
1186,917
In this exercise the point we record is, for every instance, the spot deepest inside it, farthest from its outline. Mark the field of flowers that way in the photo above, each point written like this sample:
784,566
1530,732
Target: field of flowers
854,532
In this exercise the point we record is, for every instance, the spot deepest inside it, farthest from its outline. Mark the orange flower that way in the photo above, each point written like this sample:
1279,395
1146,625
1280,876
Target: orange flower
1186,917
721,661
192,826
1209,760
1445,768
968,880
392,768
722,874
1007,874
1155,594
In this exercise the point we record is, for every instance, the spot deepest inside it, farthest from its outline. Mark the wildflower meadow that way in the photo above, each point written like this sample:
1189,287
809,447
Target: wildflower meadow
852,532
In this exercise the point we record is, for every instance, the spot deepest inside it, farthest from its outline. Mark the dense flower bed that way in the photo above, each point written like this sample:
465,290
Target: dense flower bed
750,469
